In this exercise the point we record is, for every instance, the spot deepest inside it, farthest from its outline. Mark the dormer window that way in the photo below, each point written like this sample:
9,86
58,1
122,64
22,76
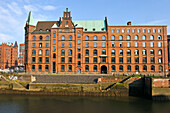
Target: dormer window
85,29
47,30
102,29
93,29
40,29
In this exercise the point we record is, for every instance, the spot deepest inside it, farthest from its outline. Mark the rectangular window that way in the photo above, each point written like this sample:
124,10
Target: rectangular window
40,68
138,30
69,67
62,45
78,41
120,44
128,44
69,59
113,60
103,59
33,59
144,30
62,59
54,41
154,30
78,48
79,56
136,60
152,60
128,60
87,44
117,30
151,44
33,45
144,60
121,60
40,45
136,44
47,44
113,44
94,59
86,59
62,68
113,30
47,59
54,35
40,60
144,44
95,44
103,44
123,30
159,44
79,35
160,60
159,30
128,30
79,63
33,67
54,48
133,30
70,44
149,30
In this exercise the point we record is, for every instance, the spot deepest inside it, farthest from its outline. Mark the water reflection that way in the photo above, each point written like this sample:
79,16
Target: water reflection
77,104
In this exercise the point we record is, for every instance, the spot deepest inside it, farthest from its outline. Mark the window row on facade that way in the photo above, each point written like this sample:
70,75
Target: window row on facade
135,30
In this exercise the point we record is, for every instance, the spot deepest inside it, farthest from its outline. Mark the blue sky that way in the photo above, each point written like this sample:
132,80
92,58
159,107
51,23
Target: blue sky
14,13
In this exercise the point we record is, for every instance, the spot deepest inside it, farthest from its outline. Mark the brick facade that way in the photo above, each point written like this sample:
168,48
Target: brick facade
95,47
8,55
21,55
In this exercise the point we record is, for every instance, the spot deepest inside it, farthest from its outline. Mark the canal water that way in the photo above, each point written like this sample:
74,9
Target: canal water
77,104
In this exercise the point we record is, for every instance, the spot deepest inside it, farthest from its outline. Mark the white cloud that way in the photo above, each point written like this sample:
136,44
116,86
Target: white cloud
49,7
4,11
30,8
5,37
15,8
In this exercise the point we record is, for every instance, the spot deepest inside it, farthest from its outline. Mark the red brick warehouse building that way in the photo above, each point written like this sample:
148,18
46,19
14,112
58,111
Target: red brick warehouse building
8,55
67,46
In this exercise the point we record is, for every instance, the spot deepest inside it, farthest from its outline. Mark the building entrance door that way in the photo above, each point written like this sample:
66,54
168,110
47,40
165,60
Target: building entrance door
79,71
103,69
54,67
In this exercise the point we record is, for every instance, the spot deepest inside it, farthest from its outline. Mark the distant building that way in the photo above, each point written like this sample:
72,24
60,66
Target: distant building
67,46
21,55
8,55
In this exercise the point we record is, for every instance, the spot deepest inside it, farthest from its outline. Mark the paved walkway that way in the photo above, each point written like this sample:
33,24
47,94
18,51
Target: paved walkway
70,79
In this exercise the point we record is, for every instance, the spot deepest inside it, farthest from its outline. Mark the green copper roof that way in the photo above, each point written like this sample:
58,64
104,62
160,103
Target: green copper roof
54,26
30,19
91,26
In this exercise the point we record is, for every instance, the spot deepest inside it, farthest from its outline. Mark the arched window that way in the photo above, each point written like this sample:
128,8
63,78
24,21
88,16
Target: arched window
95,68
95,37
112,37
86,68
144,52
128,68
103,52
120,37
79,56
143,37
159,52
152,52
120,52
136,52
40,52
120,68
54,35
144,68
70,37
103,37
87,52
70,52
128,37
62,52
160,68
47,52
63,38
137,68
34,37
128,52
136,37
41,37
152,68
151,37
159,37
87,37
113,52
113,68
33,52
54,56
47,37
95,52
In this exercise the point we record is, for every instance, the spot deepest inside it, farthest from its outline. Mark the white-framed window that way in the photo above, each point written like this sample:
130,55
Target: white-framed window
128,44
151,44
159,44
160,60
136,44
144,52
136,37
144,44
160,52
128,37
143,37
123,30
136,52
151,37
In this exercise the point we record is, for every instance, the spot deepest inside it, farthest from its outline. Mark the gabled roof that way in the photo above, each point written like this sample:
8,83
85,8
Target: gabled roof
92,26
44,25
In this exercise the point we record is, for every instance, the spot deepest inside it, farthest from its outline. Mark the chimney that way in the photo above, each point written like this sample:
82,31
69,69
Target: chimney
129,23
66,9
